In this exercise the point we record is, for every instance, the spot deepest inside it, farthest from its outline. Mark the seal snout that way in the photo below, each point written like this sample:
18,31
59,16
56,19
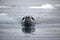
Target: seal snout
27,20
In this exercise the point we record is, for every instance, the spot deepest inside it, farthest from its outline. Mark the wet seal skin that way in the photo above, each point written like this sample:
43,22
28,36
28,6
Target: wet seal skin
28,24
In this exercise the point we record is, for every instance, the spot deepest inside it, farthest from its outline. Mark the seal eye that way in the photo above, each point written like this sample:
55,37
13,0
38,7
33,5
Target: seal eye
22,18
32,18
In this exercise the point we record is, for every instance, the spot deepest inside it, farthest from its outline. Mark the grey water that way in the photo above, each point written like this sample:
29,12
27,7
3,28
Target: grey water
47,21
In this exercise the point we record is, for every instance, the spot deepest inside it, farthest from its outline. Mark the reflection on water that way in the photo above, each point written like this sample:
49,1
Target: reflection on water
41,32
28,30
